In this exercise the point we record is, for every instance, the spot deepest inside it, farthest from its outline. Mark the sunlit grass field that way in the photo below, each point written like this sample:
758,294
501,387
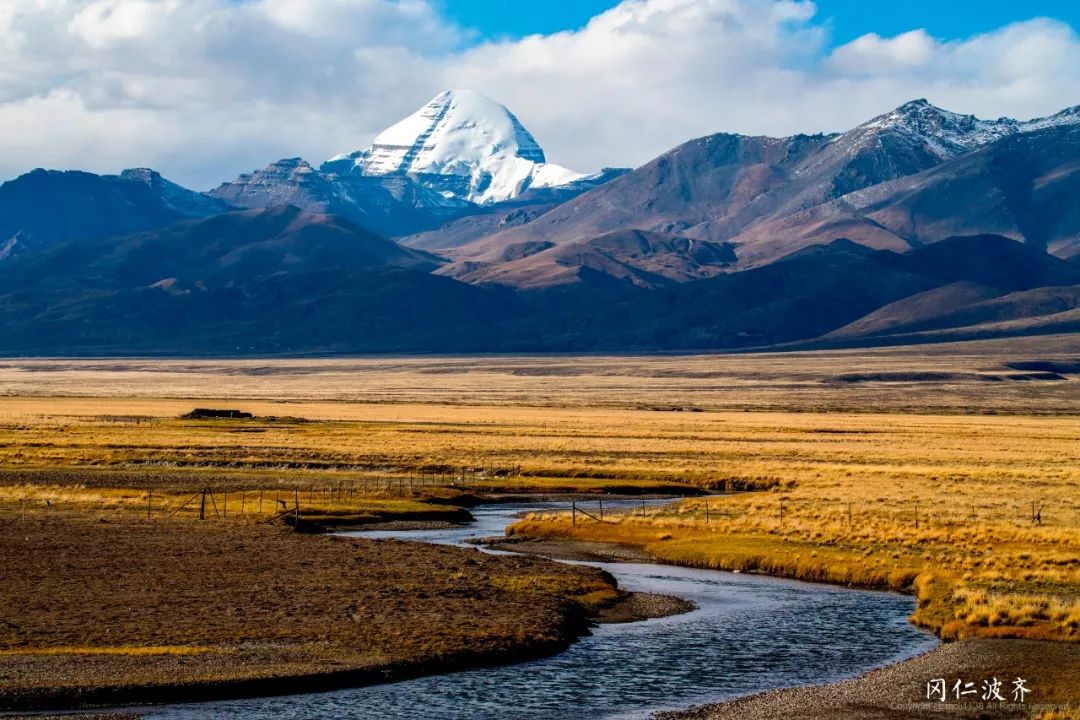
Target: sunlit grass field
964,487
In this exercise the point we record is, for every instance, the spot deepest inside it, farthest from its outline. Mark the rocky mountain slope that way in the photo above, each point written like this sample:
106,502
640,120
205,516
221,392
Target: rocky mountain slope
917,225
388,206
46,207
278,280
909,177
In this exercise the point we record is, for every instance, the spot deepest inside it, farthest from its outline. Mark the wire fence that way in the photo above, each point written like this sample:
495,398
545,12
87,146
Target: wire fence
915,513
191,495
207,497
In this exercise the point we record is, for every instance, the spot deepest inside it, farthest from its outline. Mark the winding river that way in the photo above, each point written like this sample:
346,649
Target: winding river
748,634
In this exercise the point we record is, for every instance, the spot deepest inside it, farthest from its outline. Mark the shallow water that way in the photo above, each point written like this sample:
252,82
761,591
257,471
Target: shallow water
748,634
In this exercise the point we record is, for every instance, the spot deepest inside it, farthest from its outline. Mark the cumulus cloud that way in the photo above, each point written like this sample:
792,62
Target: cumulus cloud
204,89
872,54
651,73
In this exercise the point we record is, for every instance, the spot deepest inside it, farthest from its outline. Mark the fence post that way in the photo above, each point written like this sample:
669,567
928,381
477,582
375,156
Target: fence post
916,514
706,512
202,506
149,498
781,511
849,515
642,507
601,510
573,513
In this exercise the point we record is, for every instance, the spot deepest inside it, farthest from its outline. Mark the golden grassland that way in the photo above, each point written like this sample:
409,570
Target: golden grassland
970,377
909,468
943,505
851,485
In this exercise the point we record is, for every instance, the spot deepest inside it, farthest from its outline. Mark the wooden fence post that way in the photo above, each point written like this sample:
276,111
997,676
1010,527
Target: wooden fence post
573,513
149,499
706,512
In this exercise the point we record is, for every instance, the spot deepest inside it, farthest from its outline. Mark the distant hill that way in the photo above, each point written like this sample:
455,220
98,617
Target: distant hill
452,233
279,280
266,280
910,177
47,207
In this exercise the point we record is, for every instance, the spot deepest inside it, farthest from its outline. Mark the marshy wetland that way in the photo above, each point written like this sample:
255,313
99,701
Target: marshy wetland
947,473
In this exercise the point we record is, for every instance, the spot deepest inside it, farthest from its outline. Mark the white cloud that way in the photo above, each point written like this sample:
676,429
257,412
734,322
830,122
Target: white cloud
105,23
204,89
872,54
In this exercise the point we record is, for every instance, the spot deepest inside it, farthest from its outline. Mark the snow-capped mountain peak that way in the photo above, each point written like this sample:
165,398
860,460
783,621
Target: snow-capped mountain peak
455,125
1068,116
945,134
461,144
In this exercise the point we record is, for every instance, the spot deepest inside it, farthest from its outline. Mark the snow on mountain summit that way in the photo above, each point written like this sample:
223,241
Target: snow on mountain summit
462,145
947,134
455,125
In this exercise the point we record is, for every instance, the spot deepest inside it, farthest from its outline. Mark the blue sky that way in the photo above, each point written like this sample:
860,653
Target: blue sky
946,19
848,19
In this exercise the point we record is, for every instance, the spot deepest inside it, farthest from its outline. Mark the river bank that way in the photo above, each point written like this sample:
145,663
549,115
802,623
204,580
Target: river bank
899,691
1050,669
816,633
106,610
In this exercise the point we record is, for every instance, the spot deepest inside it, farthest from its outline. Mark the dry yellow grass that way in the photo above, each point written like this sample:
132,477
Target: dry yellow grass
881,481
329,505
901,454
987,572
951,378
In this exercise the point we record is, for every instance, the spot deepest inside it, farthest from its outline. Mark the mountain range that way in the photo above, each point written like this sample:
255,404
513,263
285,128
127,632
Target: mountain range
453,233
